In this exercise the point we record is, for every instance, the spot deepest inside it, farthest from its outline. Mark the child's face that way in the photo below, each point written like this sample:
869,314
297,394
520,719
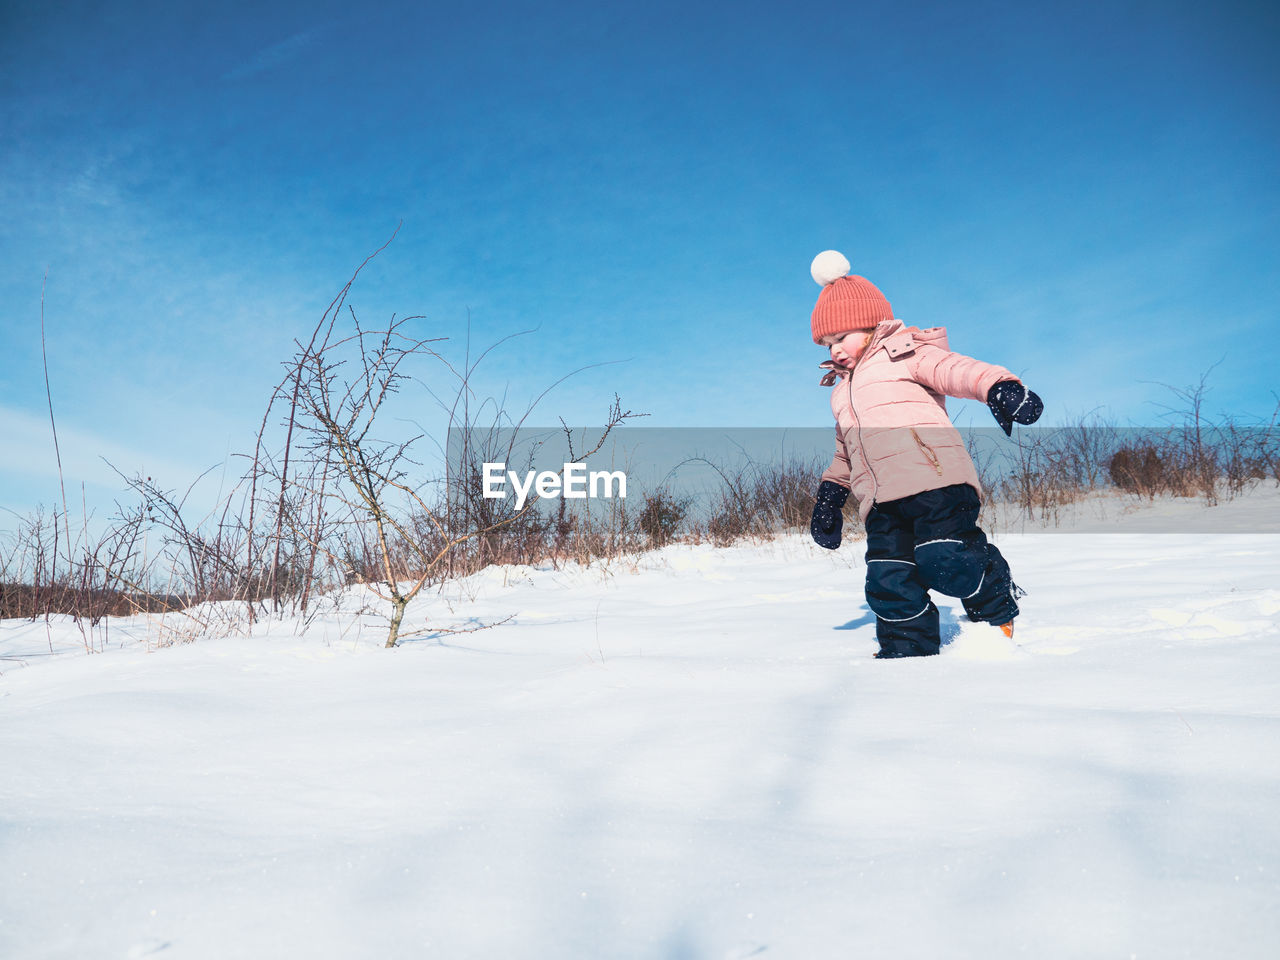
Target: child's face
846,348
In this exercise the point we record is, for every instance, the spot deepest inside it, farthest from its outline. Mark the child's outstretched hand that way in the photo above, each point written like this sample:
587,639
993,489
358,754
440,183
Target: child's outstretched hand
827,520
1011,402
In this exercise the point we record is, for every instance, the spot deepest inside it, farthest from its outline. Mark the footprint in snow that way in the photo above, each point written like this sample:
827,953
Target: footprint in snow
147,948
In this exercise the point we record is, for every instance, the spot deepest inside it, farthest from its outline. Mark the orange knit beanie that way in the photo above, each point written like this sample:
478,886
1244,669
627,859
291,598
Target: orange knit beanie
847,302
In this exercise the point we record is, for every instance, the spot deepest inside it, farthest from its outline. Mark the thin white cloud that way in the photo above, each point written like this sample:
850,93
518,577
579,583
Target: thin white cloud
273,56
86,457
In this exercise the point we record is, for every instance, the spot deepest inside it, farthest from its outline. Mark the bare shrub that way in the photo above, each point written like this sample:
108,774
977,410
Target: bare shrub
1138,469
1047,472
759,501
1248,455
661,517
92,578
366,483
1188,452
1083,450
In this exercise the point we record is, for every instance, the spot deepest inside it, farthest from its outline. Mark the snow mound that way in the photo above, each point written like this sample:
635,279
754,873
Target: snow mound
981,641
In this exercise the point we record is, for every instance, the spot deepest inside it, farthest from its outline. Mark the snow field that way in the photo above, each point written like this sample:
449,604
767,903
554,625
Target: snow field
689,756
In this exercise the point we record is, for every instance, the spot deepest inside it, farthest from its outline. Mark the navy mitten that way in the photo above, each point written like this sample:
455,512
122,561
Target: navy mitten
827,520
1011,403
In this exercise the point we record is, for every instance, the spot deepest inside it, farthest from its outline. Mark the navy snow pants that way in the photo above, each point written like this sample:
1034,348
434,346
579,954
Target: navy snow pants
930,541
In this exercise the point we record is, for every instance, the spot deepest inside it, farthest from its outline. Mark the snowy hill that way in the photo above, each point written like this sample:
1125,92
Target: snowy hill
690,755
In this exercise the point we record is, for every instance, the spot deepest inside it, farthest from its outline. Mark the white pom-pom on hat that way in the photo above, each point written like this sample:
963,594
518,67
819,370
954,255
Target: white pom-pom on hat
847,301
829,266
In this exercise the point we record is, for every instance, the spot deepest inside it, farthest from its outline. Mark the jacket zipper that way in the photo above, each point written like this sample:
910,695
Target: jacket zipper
862,450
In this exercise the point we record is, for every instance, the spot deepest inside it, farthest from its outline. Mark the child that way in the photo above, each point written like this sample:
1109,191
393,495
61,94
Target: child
917,490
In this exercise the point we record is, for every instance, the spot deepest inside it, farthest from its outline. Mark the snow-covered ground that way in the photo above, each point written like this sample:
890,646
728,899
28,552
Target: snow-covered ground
690,755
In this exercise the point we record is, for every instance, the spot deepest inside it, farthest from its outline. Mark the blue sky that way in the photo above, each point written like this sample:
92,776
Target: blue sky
1085,193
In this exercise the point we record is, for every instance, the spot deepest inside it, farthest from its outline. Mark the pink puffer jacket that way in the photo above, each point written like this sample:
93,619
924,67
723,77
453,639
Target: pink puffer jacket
893,435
